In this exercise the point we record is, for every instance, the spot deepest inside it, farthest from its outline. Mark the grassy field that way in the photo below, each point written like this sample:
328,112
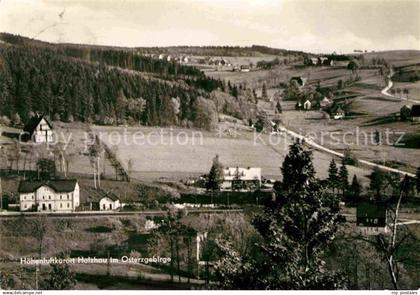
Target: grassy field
151,161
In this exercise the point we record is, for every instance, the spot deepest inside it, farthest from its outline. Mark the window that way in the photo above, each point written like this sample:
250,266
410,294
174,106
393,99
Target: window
43,197
49,197
24,197
49,206
61,197
110,206
104,206
32,197
68,197
61,205
68,205
24,206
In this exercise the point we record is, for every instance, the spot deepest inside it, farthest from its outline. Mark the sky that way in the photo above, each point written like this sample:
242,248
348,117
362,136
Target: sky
309,25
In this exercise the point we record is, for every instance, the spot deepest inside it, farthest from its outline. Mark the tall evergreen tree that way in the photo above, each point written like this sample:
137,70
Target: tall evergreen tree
297,168
215,177
333,178
344,178
295,231
355,189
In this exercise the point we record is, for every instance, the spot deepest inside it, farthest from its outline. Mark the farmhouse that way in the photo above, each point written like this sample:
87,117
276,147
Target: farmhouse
38,129
338,113
245,68
371,218
241,178
49,196
109,202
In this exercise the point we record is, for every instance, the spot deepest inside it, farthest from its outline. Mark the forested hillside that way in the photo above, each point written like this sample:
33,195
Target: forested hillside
96,85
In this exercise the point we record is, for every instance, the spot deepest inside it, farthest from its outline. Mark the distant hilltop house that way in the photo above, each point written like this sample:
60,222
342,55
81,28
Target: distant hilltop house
301,81
244,178
411,113
49,196
338,113
245,68
371,219
39,130
319,61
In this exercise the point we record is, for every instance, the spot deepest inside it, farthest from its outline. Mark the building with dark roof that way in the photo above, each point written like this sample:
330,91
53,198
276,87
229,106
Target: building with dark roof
415,113
38,129
49,196
371,218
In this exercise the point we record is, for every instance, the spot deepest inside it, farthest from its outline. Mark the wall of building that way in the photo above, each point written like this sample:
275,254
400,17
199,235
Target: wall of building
46,199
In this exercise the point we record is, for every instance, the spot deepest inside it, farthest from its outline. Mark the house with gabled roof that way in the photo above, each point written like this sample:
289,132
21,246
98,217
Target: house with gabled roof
247,178
38,129
49,196
371,218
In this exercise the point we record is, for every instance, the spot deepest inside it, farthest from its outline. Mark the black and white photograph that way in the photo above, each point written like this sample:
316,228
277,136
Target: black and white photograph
209,145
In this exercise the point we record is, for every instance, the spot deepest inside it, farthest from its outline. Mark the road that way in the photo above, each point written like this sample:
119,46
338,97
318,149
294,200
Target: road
389,86
317,146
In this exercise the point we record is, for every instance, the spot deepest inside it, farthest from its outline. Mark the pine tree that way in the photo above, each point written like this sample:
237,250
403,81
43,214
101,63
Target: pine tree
264,92
344,181
355,189
295,233
333,178
377,179
297,168
215,177
278,108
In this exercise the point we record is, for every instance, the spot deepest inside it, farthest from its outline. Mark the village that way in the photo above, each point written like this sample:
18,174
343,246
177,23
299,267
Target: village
228,145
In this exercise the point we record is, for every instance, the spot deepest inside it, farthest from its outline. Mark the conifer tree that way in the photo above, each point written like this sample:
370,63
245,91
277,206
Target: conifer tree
333,178
343,176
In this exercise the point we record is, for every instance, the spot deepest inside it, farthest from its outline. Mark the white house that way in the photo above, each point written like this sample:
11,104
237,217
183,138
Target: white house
38,129
247,177
109,202
49,196
307,105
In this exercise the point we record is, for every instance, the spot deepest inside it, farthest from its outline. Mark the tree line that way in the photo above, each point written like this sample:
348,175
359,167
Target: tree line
38,80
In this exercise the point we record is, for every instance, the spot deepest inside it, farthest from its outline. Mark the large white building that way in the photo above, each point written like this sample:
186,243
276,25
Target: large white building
49,196
39,130
246,178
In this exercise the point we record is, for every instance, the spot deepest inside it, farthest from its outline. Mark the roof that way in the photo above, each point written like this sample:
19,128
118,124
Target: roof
415,110
110,196
33,123
60,186
95,195
244,173
371,210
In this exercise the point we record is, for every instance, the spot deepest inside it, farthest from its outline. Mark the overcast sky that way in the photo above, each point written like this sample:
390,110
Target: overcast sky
309,25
